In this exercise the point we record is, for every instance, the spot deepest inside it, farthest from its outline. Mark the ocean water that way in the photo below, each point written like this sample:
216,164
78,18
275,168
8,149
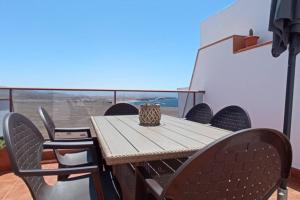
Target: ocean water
163,102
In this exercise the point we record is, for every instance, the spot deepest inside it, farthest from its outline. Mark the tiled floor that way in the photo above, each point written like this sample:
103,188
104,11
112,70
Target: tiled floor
13,188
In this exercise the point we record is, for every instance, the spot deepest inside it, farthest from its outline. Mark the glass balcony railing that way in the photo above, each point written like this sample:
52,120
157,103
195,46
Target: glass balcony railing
73,107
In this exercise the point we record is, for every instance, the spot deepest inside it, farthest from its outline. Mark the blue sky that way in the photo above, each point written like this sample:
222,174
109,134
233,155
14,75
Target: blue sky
130,44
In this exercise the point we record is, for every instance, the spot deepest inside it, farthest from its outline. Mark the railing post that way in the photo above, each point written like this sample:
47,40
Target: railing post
194,98
11,104
115,97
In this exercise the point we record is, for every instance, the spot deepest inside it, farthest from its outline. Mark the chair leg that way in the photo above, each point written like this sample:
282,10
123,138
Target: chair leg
282,194
62,177
98,185
141,191
150,197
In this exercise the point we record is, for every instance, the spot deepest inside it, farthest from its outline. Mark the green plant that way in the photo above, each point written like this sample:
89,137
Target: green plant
2,143
251,32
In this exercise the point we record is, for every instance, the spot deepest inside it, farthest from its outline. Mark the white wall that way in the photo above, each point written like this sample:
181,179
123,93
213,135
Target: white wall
252,79
244,79
237,20
295,137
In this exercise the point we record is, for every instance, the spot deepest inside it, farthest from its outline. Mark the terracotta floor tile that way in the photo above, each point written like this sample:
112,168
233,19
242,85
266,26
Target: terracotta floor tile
51,180
4,190
50,166
7,178
19,192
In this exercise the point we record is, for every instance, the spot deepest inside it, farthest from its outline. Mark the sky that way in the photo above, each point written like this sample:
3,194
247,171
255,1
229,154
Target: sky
123,44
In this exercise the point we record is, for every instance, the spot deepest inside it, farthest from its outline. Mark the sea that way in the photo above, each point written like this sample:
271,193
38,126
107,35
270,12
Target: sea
163,102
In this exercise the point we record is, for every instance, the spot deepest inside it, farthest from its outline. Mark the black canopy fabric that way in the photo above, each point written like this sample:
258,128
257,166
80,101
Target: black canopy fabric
285,25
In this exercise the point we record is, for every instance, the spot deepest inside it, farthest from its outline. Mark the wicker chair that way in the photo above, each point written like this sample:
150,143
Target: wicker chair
201,113
250,164
76,159
25,146
52,129
122,109
232,118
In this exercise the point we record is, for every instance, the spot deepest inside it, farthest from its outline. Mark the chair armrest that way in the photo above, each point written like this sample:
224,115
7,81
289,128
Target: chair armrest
60,171
154,187
151,184
73,139
68,145
79,129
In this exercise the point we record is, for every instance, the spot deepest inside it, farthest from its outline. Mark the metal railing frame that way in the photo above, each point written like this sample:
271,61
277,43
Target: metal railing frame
115,91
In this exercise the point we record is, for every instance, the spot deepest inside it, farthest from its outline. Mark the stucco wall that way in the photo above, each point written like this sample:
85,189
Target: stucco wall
252,79
243,79
238,19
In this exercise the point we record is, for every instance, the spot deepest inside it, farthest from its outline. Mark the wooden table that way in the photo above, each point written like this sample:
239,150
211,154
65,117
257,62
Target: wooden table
123,140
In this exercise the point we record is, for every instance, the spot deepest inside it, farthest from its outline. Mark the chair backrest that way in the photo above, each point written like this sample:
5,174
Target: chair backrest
25,146
249,164
201,113
232,118
122,109
48,122
50,127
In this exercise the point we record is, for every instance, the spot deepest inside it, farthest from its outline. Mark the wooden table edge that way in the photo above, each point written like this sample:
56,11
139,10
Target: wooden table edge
103,146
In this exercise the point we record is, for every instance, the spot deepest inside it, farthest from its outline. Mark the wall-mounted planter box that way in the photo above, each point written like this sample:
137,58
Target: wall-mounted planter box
243,43
251,41
4,160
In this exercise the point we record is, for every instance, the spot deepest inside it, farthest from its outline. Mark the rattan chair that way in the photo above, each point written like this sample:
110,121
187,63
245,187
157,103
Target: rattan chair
233,118
81,158
25,146
122,109
250,164
201,113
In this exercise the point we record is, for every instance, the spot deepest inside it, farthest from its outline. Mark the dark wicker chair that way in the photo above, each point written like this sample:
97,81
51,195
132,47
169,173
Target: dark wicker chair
122,109
25,145
201,113
52,129
250,164
232,118
81,158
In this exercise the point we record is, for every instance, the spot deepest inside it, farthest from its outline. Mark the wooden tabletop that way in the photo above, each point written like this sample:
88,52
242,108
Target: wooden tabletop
123,140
